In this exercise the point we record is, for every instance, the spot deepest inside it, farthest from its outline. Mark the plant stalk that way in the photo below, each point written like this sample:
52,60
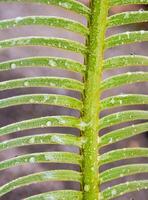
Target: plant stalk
94,63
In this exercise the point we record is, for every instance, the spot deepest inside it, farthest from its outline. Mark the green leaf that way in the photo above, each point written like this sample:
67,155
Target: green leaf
43,157
122,154
123,133
67,4
123,79
58,195
46,99
124,188
44,41
122,171
55,175
45,21
52,138
51,82
127,18
121,117
126,2
126,38
123,100
125,61
42,122
48,62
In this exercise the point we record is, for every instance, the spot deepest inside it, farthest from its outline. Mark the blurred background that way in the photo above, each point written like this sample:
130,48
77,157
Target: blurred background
15,114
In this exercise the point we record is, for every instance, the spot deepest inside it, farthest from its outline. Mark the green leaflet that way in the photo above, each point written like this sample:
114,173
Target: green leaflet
51,82
127,18
124,100
125,170
45,21
121,134
53,138
121,117
67,4
43,157
126,153
47,99
126,38
123,79
126,2
44,41
124,188
58,195
56,175
125,61
48,62
42,122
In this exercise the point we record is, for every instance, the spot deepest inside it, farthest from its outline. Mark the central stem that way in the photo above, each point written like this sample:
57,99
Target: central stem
94,62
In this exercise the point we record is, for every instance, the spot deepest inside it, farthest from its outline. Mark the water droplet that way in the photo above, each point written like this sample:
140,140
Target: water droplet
52,63
112,101
83,124
48,123
32,140
86,188
45,97
142,31
114,192
26,83
32,160
129,73
18,19
141,10
13,66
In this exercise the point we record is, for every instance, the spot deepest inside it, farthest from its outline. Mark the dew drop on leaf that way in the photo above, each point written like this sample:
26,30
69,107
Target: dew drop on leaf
26,83
32,140
48,123
114,192
18,19
141,10
52,63
32,160
86,188
13,66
